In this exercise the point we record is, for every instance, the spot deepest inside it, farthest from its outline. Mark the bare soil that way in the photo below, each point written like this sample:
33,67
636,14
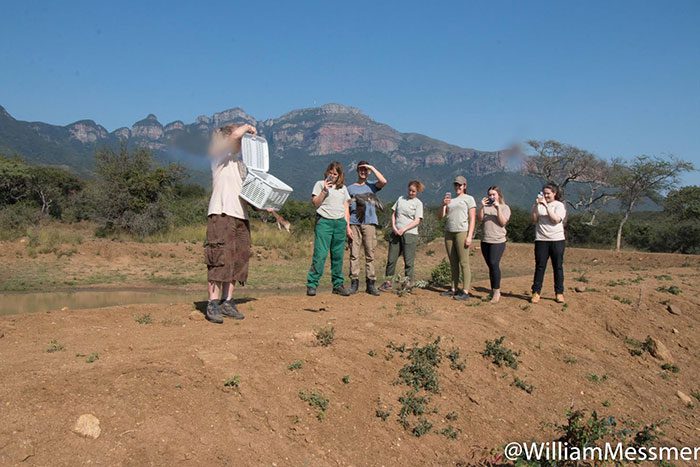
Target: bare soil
158,388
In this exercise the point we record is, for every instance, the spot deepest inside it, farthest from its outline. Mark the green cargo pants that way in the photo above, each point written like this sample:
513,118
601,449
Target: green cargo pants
329,234
405,246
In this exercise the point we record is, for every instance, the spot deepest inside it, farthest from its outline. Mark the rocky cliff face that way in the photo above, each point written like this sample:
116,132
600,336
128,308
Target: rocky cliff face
87,131
302,142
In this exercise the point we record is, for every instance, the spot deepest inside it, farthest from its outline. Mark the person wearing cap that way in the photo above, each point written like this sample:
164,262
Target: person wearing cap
460,219
363,225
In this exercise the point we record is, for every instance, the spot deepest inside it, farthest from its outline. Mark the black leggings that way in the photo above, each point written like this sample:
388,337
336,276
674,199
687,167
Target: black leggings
492,255
543,251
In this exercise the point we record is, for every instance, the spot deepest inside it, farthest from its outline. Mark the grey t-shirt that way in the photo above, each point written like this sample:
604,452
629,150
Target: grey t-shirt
407,210
493,232
333,206
457,219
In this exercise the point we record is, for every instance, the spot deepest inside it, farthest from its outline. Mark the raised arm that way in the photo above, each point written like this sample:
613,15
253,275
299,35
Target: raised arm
381,180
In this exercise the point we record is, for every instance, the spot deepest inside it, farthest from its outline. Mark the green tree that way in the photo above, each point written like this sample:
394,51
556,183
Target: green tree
644,177
15,180
683,204
562,164
51,186
131,192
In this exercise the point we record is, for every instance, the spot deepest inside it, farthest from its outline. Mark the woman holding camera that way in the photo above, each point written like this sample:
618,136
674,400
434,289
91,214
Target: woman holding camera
331,199
460,215
494,215
548,214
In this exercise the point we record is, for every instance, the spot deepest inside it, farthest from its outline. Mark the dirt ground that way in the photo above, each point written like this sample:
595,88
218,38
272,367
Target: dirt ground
154,375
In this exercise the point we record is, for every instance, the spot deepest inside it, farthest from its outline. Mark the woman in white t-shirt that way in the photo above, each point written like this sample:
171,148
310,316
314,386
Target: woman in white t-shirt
460,219
331,199
548,214
407,215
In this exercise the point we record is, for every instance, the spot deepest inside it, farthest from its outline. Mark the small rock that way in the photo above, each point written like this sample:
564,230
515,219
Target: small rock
660,351
195,315
89,426
65,308
685,398
580,288
675,331
674,309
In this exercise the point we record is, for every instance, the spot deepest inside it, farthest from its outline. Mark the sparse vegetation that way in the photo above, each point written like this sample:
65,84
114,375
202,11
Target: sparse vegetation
501,355
325,336
520,384
54,346
421,371
144,319
346,379
594,378
233,382
449,432
317,401
423,427
570,360
456,362
94,356
383,414
295,365
671,367
672,289
623,300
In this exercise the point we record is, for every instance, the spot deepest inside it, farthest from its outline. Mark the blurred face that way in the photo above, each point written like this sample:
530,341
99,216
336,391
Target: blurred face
460,189
362,173
493,196
412,192
548,195
332,175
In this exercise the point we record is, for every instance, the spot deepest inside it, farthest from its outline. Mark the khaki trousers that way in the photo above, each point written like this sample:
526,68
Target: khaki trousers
364,236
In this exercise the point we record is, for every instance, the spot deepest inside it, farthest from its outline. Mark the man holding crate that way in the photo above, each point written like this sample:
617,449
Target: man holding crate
227,247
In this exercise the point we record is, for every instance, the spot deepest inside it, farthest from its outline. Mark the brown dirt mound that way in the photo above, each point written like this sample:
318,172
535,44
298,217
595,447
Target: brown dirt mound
158,389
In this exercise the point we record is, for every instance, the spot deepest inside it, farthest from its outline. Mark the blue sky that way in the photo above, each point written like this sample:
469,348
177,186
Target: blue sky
617,78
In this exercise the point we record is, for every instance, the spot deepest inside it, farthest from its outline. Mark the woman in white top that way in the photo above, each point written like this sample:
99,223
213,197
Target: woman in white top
548,214
460,214
331,199
407,215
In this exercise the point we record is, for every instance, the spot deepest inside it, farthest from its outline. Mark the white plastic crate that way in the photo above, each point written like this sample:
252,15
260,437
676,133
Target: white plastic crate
260,188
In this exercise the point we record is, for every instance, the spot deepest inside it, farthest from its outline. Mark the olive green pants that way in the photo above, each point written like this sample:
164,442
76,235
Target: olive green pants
459,258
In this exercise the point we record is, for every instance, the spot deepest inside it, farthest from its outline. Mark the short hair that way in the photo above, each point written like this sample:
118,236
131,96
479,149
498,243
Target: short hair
361,163
417,184
338,167
218,142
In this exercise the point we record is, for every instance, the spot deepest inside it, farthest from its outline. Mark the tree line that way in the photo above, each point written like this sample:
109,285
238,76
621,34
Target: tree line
130,193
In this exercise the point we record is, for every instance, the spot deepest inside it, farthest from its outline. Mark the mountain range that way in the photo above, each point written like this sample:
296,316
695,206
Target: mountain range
302,142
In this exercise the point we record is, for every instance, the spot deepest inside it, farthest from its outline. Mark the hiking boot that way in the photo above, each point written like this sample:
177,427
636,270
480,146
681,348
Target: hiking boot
213,313
385,287
342,291
535,298
311,291
228,308
371,288
447,293
560,298
461,295
354,286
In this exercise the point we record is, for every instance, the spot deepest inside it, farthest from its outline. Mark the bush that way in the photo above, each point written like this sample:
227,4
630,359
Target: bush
15,218
441,275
